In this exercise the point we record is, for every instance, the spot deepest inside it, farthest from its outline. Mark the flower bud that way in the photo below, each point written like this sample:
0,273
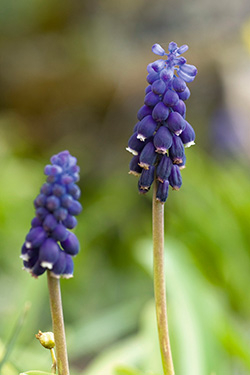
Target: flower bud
46,339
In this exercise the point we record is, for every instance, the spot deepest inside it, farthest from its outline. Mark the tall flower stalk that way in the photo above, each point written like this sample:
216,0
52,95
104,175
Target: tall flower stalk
158,147
49,245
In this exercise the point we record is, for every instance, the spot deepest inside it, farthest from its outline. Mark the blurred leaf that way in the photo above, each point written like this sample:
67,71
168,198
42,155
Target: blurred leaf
15,334
35,372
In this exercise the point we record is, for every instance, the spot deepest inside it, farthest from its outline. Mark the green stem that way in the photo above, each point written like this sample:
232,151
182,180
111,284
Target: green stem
159,285
58,324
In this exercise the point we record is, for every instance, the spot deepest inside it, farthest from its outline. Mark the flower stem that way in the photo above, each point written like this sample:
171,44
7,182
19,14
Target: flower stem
159,285
58,324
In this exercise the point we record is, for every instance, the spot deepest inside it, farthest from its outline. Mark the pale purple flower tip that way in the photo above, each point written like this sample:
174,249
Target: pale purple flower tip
158,50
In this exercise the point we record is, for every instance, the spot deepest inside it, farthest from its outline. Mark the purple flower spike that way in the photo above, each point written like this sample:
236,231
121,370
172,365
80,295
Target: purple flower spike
162,131
56,207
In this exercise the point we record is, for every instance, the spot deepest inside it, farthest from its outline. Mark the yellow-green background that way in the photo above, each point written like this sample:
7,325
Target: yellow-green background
72,76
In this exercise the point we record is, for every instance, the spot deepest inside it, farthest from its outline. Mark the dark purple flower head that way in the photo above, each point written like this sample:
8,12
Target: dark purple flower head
162,131
49,244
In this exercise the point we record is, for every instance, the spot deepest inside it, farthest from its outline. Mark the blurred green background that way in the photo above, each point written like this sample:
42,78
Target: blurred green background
72,76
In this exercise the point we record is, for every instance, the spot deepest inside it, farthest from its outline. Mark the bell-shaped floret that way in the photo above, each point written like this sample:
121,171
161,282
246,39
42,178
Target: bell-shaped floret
151,77
188,135
48,253
52,203
147,156
144,111
160,112
70,222
176,151
134,167
179,84
37,269
162,191
68,271
40,200
158,50
146,128
41,213
60,233
163,169
49,223
71,244
162,140
60,265
58,190
146,179
151,99
185,94
135,145
180,107
75,208
74,190
188,69
60,214
170,98
159,87
176,123
175,179
35,237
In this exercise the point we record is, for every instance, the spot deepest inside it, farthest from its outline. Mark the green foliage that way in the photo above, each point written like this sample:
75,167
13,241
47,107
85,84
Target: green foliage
108,305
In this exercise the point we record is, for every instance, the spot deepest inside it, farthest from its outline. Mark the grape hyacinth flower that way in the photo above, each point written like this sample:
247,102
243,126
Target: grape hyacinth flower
158,147
49,245
162,127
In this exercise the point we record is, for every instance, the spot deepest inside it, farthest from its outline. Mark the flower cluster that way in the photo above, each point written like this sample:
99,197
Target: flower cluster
49,244
162,131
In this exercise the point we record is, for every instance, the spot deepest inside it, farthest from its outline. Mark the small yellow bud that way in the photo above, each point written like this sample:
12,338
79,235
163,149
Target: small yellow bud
46,339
